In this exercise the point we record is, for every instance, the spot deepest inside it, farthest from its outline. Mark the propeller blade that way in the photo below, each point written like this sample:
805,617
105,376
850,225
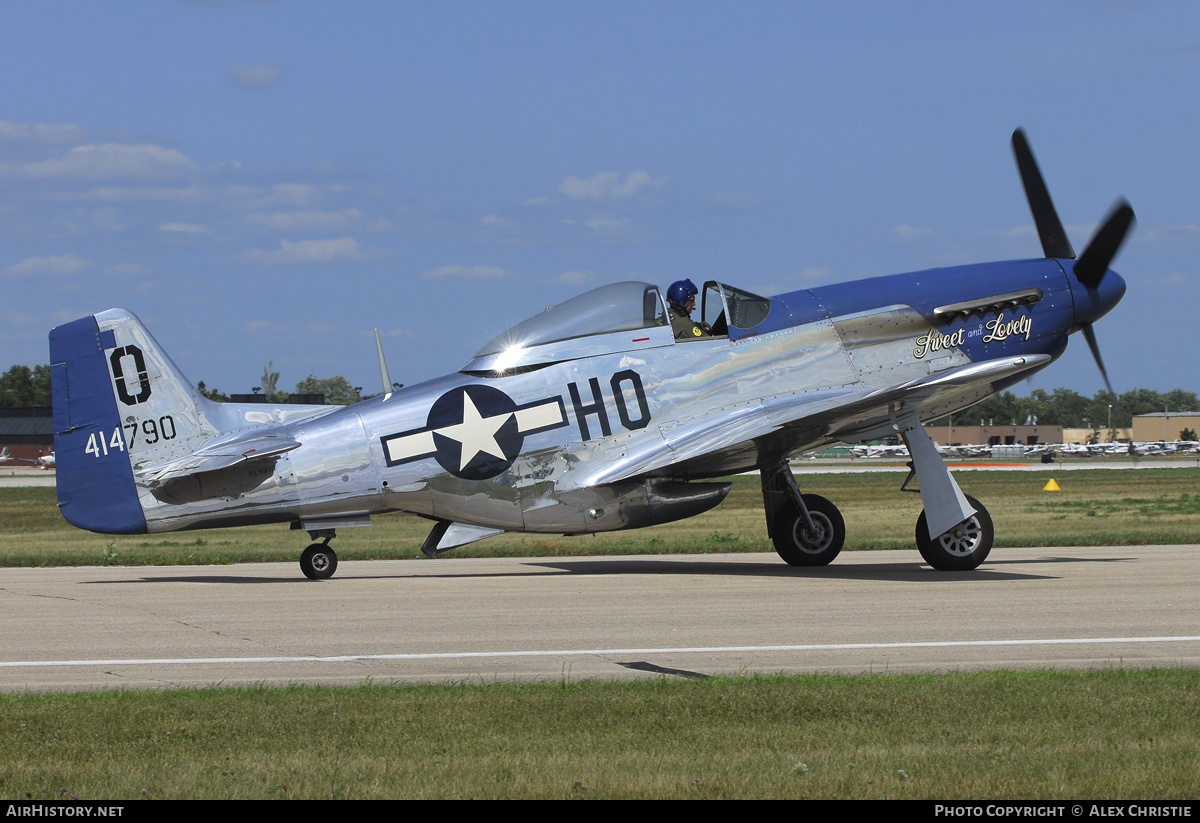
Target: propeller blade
1093,263
1049,227
1090,335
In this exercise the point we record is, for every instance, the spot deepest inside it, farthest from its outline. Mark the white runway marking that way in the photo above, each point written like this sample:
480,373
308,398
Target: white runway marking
350,658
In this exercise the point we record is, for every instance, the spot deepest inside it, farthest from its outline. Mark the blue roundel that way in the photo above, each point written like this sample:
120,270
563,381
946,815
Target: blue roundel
475,431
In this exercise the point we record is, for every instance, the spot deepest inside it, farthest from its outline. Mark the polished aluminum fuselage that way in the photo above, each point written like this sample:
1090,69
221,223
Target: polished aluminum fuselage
642,418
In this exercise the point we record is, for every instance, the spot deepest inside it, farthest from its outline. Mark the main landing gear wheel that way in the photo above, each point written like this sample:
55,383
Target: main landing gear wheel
318,562
800,546
963,547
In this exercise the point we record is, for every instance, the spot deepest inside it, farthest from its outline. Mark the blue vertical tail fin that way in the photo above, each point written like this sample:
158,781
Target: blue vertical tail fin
120,403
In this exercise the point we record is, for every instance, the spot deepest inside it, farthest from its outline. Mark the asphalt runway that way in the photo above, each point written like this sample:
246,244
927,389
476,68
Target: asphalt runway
504,620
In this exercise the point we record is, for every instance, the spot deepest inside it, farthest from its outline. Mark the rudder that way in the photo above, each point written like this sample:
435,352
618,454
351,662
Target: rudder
120,404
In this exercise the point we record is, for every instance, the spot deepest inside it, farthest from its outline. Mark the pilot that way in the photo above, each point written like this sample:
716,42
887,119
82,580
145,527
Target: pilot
682,297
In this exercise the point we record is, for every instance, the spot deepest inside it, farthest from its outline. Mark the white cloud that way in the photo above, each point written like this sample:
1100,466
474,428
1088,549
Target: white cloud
492,221
15,318
735,200
103,219
184,228
310,251
606,223
815,275
250,198
283,194
603,185
1082,231
41,133
907,233
106,219
485,272
1167,233
574,278
127,270
255,76
65,315
143,194
54,264
1020,233
309,219
111,160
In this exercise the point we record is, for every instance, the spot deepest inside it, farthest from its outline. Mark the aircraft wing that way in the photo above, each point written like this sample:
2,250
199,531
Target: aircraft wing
724,440
216,456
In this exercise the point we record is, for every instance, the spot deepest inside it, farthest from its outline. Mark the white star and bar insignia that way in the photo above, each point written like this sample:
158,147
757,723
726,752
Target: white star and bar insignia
474,432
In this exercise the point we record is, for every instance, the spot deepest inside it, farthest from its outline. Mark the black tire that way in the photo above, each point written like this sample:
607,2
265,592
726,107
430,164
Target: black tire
796,546
318,562
962,548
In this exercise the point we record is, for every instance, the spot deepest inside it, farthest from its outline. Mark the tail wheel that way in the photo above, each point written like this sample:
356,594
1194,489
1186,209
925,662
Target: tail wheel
961,548
800,546
318,562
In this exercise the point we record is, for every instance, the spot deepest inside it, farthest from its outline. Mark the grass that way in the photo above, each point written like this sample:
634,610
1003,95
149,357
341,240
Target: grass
1114,734
1094,507
1047,735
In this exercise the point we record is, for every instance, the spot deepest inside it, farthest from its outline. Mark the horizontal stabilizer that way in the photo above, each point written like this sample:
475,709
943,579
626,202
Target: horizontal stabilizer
218,456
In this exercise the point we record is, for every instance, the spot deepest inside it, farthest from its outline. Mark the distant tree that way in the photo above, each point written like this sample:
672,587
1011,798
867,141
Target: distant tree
212,394
1140,401
1069,408
23,386
998,410
1187,434
1072,410
42,391
337,390
1181,401
270,383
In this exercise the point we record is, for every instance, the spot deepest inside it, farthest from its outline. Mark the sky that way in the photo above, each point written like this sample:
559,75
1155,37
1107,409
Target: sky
272,181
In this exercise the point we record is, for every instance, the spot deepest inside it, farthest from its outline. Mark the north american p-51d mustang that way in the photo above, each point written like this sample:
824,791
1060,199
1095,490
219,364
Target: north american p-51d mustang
592,416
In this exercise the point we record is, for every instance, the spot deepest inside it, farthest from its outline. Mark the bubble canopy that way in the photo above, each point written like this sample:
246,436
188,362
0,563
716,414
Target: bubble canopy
594,322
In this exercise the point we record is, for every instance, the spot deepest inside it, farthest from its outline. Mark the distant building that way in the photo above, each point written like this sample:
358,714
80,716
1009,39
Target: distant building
27,432
1164,425
1083,435
994,435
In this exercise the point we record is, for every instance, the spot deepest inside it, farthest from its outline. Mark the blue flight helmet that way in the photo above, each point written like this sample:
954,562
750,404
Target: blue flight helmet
681,292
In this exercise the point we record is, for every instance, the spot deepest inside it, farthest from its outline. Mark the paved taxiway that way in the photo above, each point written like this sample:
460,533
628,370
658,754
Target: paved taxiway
463,619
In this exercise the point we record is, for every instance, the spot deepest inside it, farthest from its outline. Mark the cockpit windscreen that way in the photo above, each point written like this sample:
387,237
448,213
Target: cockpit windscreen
612,308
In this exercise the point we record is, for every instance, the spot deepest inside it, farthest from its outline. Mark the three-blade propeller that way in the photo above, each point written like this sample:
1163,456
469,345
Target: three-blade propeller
1093,264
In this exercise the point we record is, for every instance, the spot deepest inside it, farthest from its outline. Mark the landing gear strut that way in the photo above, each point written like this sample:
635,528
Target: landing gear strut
954,531
807,529
319,561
